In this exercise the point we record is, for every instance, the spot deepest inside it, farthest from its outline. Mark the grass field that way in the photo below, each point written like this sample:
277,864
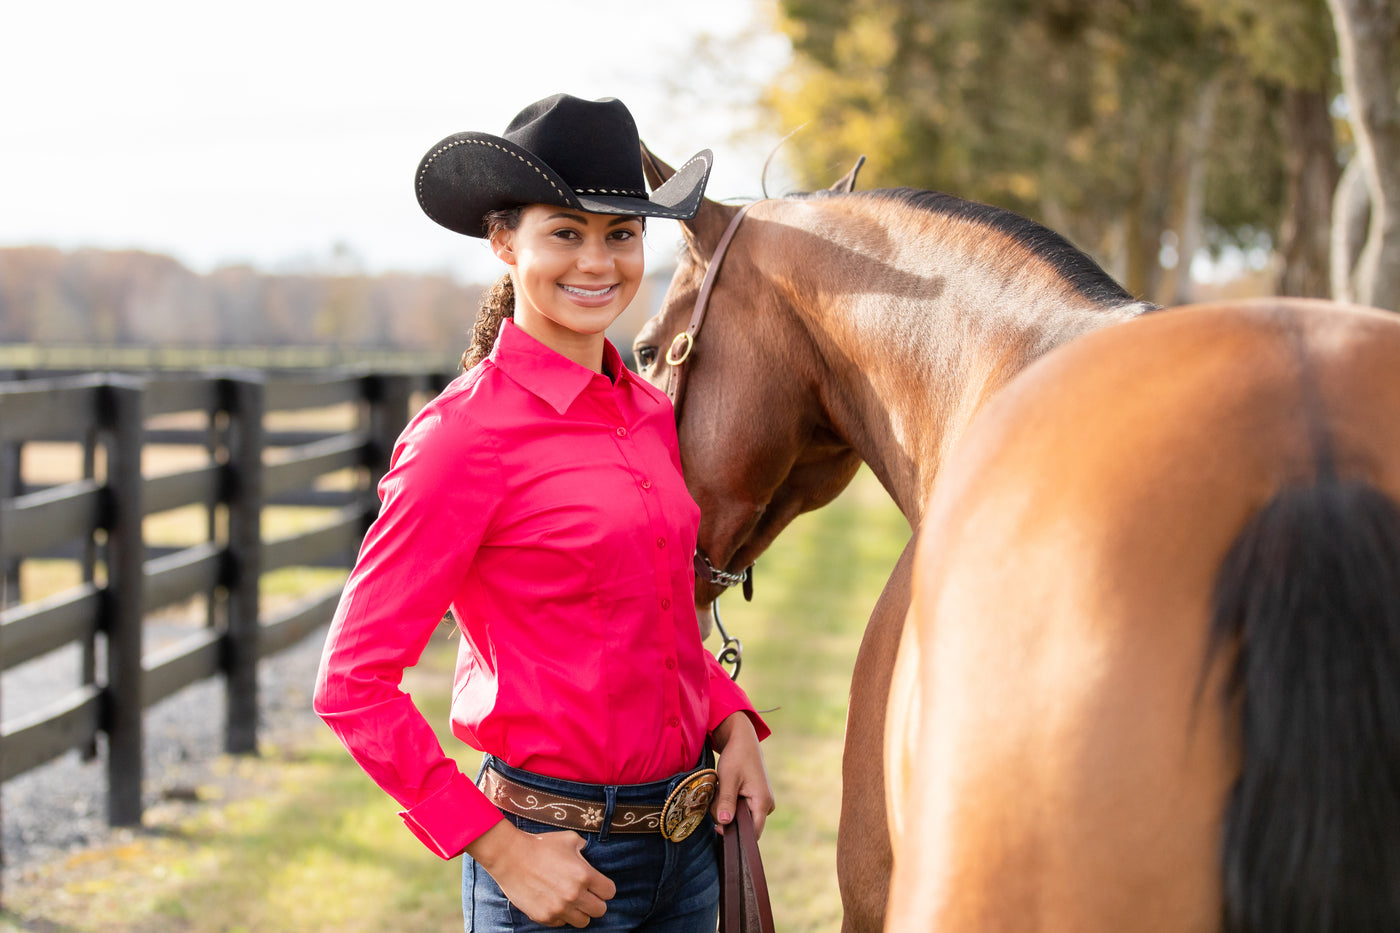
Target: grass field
306,843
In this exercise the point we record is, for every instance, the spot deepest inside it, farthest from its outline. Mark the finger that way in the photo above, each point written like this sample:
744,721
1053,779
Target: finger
759,814
726,799
601,886
592,905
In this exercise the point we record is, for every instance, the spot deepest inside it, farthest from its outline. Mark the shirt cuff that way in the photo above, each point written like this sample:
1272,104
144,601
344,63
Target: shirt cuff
452,818
726,698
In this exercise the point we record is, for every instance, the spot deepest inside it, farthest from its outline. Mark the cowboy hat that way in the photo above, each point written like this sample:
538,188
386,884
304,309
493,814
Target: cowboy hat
561,150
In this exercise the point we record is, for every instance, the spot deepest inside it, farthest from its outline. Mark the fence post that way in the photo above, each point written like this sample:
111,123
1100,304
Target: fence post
245,400
389,395
13,454
89,559
6,482
121,417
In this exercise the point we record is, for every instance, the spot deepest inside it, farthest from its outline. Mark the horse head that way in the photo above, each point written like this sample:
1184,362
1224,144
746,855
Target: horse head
756,445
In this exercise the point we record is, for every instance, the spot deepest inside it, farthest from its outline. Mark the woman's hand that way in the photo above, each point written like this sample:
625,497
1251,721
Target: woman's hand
544,875
741,772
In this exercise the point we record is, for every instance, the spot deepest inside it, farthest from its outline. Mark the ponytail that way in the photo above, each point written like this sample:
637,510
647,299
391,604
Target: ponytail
497,304
499,301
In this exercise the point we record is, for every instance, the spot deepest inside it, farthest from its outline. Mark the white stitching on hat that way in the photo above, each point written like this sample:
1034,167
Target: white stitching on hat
687,211
684,212
480,142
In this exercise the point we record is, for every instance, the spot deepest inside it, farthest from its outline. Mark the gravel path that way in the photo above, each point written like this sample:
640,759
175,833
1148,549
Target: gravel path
61,806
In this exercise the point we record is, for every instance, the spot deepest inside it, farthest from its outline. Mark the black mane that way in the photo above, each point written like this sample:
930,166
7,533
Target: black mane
1062,255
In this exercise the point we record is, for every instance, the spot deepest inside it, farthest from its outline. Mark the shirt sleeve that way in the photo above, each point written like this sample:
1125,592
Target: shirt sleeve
438,498
726,698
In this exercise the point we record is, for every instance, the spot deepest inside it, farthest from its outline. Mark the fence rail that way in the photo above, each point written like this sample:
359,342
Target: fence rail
98,521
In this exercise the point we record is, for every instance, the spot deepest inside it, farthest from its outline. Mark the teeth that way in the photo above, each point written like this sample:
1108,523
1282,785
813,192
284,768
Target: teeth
586,292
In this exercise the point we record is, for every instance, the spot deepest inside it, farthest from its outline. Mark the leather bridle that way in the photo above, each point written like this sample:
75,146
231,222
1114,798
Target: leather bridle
732,651
684,342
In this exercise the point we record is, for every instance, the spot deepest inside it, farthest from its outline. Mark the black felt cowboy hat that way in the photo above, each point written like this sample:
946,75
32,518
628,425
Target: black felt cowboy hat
561,150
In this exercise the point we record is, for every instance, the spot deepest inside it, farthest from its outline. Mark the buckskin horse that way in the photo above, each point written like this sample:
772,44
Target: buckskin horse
1151,674
874,327
844,328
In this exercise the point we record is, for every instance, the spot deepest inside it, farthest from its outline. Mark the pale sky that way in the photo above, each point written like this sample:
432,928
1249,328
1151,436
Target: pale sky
267,131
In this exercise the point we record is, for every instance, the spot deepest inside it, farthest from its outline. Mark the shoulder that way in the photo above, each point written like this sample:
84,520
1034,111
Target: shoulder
457,423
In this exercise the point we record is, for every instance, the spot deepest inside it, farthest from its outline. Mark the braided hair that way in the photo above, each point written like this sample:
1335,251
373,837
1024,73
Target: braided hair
498,302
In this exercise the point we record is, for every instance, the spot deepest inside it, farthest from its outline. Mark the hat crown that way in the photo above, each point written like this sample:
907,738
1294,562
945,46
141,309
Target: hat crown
592,145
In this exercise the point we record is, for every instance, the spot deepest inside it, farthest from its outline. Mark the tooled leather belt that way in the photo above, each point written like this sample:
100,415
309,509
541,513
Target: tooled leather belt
675,819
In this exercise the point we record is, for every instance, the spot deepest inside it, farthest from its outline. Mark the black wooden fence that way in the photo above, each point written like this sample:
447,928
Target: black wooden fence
97,520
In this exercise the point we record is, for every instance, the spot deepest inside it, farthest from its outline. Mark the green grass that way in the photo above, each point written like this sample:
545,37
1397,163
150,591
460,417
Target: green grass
303,841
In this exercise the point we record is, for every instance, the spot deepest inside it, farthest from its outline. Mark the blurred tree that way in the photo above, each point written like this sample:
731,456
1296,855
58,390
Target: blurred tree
1287,49
1368,37
1128,125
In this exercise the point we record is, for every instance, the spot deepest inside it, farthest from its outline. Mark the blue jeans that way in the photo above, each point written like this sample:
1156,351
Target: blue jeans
662,887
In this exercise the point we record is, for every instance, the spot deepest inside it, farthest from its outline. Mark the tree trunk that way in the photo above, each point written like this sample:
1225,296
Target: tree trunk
1311,165
1351,218
1368,39
1190,211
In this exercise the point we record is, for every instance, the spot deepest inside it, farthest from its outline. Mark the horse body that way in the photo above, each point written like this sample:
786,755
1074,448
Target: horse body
1072,741
857,328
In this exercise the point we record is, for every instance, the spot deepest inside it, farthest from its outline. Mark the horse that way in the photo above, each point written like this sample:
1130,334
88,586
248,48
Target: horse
850,327
1150,678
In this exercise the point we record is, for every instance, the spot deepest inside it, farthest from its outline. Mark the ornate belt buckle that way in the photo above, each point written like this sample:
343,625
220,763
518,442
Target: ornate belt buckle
688,803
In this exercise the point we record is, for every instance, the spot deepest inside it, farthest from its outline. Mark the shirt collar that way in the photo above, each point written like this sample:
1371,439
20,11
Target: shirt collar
546,373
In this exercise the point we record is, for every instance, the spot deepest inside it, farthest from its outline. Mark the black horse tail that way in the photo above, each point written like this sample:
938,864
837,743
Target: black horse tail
1309,600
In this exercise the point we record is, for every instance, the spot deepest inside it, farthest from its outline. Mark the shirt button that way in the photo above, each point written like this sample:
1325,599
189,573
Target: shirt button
646,484
621,432
661,543
673,721
665,604
670,664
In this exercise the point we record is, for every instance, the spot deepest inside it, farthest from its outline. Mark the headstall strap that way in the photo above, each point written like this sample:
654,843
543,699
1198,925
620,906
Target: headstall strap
684,342
731,653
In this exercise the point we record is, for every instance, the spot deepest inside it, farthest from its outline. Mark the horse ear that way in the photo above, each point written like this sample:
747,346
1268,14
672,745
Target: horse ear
702,232
847,184
656,171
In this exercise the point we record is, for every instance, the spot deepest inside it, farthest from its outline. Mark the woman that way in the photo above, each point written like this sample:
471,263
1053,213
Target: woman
540,497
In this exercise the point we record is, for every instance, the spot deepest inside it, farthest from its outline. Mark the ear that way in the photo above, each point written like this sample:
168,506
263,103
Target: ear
847,183
502,244
702,232
656,171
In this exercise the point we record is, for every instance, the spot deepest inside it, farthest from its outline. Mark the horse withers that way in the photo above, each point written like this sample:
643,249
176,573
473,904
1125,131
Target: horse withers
1150,678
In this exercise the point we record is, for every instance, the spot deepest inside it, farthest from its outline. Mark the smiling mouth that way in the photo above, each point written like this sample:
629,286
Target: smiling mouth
588,292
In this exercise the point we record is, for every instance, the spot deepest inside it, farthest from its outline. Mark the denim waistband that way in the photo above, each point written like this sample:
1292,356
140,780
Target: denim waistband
654,792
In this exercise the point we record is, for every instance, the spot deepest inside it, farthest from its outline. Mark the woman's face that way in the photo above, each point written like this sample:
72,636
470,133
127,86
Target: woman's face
575,271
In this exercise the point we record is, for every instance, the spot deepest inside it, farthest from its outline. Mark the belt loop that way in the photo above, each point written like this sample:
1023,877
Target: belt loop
610,804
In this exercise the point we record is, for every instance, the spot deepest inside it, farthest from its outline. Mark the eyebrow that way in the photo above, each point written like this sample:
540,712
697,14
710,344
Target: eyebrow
570,215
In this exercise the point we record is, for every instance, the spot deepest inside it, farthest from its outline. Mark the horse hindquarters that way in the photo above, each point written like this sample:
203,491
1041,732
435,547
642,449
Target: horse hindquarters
1309,596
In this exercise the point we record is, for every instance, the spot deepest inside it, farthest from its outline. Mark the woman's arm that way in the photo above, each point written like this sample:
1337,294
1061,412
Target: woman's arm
741,771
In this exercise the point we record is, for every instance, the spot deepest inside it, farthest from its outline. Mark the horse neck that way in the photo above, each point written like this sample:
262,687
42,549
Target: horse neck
905,365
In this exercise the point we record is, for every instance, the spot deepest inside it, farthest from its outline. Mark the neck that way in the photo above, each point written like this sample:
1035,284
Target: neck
908,365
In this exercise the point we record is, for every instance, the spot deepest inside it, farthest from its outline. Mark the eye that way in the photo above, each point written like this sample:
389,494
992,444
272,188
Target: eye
646,356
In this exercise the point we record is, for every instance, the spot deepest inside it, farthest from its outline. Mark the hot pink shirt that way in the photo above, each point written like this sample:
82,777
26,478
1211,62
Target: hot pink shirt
545,505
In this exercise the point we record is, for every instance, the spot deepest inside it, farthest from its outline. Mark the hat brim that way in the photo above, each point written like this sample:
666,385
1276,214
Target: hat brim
467,175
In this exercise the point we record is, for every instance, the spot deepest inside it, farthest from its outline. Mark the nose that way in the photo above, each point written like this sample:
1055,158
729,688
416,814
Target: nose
595,256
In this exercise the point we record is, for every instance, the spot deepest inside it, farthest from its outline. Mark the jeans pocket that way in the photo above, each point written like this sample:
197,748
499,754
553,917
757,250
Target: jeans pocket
536,828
